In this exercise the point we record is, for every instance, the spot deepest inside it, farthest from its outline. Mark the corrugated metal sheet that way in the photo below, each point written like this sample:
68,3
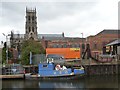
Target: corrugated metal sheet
114,42
67,53
118,50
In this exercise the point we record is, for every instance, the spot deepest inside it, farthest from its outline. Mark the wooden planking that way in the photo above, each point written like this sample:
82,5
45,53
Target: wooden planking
11,76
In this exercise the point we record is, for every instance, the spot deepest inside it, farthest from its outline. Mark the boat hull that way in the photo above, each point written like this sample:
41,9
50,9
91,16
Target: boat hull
62,77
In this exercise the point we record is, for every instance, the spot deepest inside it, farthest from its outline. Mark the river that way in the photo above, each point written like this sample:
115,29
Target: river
104,81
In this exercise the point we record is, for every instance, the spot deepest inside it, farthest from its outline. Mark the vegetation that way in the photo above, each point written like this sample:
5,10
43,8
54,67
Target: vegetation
30,46
4,54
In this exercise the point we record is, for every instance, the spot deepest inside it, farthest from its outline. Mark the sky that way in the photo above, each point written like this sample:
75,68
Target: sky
72,17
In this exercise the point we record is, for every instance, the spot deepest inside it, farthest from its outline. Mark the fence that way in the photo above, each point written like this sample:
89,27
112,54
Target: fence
13,69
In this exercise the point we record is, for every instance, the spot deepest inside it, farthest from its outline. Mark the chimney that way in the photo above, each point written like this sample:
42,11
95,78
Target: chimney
63,34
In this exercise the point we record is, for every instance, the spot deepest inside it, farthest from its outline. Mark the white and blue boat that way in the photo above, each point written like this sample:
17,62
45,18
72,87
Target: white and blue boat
50,70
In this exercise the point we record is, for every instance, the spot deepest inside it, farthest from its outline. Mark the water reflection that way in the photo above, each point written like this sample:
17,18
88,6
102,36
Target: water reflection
61,84
87,82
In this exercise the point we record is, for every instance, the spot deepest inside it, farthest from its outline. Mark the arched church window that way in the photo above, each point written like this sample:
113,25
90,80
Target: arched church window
32,17
31,38
29,29
29,18
32,29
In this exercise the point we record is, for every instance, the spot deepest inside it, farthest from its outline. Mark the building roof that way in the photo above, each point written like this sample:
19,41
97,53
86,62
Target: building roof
53,38
50,36
18,35
109,31
115,42
40,36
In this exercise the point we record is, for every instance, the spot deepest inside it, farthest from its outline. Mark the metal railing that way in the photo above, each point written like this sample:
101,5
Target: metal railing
13,69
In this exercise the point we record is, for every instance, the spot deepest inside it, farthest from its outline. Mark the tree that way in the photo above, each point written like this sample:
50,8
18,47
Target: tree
10,55
3,55
30,46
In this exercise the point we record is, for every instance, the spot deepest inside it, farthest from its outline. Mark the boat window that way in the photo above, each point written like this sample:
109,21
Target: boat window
44,65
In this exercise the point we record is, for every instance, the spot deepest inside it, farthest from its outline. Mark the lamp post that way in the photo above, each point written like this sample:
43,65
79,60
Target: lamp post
6,47
82,43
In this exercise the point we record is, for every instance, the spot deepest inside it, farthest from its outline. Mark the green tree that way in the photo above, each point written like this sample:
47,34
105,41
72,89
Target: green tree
10,55
3,55
30,46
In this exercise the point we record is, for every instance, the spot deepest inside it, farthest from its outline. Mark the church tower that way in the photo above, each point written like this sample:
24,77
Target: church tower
31,24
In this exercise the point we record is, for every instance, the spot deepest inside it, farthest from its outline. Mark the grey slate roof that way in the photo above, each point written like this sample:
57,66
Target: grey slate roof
114,42
49,35
53,38
18,35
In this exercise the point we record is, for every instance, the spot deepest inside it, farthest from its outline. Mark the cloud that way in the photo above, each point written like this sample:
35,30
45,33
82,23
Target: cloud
67,19
73,17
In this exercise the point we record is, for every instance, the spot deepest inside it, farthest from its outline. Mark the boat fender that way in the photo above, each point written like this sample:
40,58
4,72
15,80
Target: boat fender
58,67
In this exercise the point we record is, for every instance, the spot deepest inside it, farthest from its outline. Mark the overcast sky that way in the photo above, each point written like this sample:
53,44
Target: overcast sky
72,17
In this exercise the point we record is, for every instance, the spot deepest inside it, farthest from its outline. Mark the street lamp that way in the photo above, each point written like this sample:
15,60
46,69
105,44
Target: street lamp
82,38
82,43
6,47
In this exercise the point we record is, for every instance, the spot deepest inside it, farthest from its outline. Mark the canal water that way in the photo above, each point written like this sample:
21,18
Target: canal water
105,81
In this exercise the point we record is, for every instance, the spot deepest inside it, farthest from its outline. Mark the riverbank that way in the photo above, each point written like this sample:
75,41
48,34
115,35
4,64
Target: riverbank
91,67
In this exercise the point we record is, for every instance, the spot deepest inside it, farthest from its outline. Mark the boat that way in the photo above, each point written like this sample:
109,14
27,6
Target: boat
53,71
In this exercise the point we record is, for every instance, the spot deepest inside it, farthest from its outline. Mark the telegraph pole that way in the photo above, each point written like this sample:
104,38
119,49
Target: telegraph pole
82,43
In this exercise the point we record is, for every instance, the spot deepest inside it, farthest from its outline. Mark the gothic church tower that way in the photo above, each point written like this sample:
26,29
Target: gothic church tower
31,24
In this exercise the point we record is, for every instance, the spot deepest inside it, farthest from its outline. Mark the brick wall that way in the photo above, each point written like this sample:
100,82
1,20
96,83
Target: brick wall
97,42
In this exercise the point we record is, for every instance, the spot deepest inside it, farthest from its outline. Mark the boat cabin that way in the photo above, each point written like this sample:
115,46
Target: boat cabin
48,69
52,70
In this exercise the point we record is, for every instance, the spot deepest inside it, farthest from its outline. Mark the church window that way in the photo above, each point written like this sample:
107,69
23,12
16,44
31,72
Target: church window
33,18
29,29
32,29
29,18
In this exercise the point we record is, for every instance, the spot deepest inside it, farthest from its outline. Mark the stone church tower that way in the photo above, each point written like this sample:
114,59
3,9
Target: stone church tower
31,24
